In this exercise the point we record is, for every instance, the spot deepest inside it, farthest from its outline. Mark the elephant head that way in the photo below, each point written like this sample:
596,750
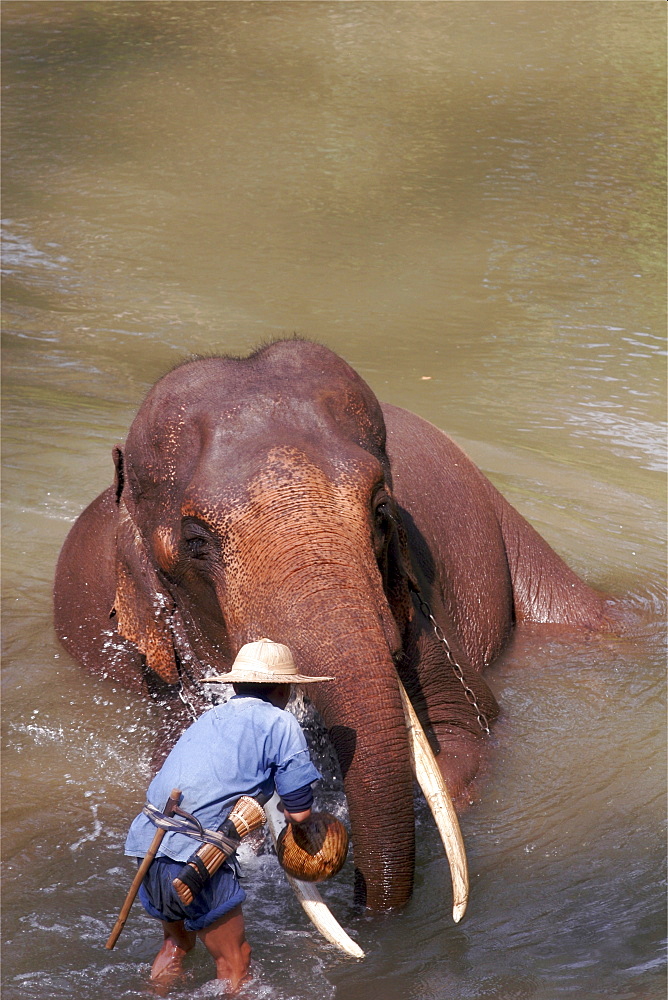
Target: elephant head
255,498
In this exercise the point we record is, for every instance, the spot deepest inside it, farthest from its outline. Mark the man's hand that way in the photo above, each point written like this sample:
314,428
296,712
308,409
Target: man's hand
295,817
296,805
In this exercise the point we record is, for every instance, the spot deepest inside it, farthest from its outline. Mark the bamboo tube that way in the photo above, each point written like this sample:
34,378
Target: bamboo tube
246,815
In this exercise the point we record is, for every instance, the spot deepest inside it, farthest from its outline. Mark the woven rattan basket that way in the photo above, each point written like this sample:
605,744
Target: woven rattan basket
315,850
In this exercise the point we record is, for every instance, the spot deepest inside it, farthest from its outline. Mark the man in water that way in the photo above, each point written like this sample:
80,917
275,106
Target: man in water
248,746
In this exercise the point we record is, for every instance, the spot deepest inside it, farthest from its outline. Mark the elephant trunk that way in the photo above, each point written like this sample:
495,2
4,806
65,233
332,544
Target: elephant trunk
363,713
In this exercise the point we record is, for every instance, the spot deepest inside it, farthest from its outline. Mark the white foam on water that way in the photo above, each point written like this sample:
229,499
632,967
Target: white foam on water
93,834
261,987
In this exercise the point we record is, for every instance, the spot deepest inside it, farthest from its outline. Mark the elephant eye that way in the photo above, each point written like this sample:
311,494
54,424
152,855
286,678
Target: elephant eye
383,521
196,541
196,547
383,515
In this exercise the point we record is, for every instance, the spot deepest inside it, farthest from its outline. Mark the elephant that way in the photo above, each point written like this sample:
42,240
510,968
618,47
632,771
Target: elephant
274,495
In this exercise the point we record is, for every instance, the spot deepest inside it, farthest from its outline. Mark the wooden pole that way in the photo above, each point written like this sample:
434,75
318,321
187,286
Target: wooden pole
172,802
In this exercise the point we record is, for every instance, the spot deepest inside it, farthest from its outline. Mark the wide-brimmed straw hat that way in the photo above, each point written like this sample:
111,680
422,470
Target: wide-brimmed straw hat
264,662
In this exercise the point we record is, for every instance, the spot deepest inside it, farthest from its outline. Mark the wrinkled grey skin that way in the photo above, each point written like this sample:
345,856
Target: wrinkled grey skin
274,496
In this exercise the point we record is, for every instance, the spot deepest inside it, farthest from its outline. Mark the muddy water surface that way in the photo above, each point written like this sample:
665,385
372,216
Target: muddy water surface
466,200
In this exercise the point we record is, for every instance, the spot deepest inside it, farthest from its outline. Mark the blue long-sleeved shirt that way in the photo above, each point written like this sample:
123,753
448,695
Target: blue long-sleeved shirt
245,747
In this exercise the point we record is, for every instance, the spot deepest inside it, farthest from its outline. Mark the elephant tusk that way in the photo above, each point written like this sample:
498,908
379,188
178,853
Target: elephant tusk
432,783
312,902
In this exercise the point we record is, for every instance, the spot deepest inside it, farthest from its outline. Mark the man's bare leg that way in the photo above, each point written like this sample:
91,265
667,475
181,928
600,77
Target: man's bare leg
168,963
226,943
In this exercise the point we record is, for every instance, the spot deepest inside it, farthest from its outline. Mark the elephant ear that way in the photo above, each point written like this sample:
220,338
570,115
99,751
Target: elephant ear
400,579
143,607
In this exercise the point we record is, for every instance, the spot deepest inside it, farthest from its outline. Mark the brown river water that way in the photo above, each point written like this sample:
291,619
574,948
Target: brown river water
467,201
